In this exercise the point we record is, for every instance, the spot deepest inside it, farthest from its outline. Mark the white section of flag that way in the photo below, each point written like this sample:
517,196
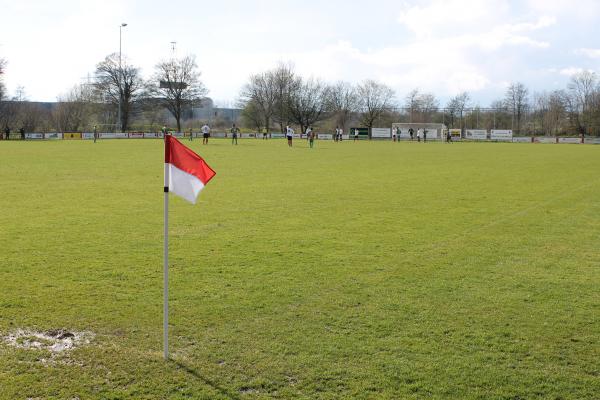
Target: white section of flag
183,184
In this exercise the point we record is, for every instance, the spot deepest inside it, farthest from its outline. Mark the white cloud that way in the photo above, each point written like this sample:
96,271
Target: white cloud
570,71
590,53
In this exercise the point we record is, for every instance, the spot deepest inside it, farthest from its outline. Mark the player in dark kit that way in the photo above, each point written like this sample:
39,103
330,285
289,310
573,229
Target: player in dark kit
234,134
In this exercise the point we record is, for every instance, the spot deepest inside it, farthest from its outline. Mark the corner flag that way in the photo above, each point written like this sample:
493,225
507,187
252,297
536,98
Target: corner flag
186,174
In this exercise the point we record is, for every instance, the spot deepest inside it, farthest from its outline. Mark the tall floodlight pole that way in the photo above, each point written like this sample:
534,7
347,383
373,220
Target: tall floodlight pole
120,73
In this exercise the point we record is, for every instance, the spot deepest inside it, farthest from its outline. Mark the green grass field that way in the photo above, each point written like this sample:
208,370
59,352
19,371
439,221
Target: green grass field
352,270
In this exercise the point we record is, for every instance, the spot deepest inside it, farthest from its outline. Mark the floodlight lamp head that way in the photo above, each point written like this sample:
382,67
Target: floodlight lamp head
123,24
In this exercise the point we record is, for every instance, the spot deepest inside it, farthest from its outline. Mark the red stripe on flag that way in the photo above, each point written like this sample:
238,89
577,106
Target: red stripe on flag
186,160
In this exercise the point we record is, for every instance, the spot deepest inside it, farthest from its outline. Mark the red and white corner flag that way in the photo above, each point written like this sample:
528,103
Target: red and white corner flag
186,174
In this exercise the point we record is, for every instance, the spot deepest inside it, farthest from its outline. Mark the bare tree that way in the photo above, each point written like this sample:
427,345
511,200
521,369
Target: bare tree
270,94
74,110
307,102
27,115
260,97
411,103
342,102
583,92
177,83
119,84
375,100
252,114
516,100
2,87
428,105
284,81
456,107
5,112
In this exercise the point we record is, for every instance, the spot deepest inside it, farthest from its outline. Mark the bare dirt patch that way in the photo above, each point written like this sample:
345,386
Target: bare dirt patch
55,341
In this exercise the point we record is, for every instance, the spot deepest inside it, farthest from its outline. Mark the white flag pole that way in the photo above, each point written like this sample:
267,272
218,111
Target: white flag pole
166,268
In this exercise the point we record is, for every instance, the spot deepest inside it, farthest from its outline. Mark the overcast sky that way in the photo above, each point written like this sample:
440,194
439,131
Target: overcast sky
438,46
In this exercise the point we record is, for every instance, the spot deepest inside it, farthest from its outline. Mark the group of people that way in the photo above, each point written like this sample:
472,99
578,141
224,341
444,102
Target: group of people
421,133
7,133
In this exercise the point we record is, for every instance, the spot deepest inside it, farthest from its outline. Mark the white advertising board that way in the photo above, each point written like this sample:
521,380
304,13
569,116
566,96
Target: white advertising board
107,135
381,133
150,135
87,135
521,139
345,137
324,136
570,140
589,140
277,135
52,135
476,134
544,140
501,135
136,135
34,136
121,135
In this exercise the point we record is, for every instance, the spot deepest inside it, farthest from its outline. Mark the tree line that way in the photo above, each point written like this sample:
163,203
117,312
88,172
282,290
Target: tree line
116,96
279,97
119,98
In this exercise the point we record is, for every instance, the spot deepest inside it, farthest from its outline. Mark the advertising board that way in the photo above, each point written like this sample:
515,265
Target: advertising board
476,134
544,140
381,133
455,134
570,140
501,135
